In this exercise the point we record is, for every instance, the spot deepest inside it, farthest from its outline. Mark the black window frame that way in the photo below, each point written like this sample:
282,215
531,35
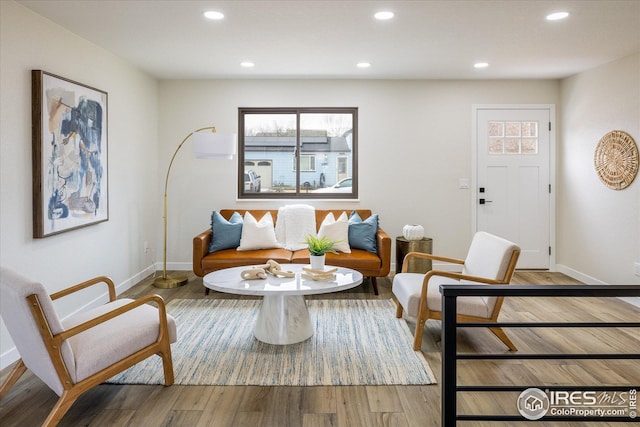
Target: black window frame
301,192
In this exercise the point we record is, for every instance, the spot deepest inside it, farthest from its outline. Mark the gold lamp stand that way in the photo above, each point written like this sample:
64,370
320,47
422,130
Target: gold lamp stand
209,145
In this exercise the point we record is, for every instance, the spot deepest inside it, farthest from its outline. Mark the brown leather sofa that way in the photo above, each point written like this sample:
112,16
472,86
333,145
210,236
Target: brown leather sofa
369,264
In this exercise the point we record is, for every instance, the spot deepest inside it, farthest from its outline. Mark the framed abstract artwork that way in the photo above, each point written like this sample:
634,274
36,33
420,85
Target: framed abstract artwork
70,162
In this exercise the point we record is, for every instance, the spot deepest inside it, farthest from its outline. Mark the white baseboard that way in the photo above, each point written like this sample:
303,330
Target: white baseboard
8,357
574,274
592,281
12,355
632,300
176,266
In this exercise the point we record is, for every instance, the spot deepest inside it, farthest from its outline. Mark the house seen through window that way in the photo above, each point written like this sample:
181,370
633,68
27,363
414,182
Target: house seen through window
297,153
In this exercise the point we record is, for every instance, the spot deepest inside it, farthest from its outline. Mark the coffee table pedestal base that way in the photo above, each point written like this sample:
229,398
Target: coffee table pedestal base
283,320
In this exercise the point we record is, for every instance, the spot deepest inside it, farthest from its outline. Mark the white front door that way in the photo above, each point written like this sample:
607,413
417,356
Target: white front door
513,179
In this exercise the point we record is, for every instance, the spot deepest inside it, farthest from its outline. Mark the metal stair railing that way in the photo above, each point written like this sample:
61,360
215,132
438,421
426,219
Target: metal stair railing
450,355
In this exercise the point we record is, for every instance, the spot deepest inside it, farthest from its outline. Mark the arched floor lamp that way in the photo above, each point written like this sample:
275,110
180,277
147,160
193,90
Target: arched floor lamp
207,144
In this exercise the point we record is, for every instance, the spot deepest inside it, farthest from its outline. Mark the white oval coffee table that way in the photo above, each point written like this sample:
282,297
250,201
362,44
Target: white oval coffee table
283,317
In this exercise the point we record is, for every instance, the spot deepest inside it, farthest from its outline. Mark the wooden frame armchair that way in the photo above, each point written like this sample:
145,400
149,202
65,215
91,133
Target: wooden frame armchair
73,355
490,260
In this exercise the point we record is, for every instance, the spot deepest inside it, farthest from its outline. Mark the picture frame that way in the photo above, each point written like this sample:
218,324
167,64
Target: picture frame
69,153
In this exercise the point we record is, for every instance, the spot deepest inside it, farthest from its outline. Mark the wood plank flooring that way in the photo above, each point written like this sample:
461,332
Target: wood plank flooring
29,402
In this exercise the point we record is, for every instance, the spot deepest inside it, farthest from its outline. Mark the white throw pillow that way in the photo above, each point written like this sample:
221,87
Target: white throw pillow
258,235
336,230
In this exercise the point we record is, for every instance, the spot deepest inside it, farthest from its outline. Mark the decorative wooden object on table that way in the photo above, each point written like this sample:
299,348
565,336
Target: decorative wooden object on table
318,275
260,271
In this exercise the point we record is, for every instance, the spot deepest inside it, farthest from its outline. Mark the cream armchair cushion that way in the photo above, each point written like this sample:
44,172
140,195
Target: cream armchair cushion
407,289
115,339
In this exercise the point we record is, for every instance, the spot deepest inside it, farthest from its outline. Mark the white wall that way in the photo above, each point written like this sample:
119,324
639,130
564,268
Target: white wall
598,228
414,145
113,248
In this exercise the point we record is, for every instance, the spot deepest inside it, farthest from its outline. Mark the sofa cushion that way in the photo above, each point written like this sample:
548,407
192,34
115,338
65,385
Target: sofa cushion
362,234
258,234
226,234
336,230
233,258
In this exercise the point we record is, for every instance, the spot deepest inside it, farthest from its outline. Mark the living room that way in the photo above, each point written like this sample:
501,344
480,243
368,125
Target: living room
415,146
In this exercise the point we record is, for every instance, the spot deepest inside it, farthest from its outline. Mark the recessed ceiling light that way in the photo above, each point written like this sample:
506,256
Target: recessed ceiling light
383,15
214,15
557,16
247,64
363,65
481,65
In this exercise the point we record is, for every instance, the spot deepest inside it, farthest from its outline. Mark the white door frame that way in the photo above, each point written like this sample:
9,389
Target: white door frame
552,167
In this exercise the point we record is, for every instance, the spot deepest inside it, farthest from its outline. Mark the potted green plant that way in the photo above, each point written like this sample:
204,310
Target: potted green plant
318,247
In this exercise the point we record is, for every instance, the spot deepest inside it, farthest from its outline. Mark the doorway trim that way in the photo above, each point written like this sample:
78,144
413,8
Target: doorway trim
552,166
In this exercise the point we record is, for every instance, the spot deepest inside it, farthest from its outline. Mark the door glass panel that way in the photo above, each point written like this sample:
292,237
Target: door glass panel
529,145
530,129
496,128
512,137
512,146
496,145
513,128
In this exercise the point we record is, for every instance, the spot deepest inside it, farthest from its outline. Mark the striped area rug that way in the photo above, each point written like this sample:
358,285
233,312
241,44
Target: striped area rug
356,342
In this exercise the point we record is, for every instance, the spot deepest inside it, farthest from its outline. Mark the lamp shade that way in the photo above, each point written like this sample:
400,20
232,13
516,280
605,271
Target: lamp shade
213,145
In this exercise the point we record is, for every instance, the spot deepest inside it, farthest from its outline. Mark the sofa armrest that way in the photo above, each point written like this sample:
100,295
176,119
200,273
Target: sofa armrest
383,240
200,250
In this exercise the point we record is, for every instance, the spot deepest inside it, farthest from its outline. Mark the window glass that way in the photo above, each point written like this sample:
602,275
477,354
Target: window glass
298,153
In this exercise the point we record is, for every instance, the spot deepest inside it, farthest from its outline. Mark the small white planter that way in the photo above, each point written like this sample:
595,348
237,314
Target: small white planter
317,262
413,232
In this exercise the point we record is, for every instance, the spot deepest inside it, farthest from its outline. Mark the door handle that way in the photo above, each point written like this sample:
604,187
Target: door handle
483,201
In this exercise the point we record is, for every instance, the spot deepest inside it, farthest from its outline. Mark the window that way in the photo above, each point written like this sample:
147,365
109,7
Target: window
303,153
307,163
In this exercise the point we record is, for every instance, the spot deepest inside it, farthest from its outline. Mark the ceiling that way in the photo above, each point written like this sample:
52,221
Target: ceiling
325,39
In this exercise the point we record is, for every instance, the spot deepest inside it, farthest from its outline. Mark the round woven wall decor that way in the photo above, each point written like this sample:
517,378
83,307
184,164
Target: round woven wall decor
616,159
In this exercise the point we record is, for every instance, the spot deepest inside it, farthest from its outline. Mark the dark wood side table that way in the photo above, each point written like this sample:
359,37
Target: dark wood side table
404,246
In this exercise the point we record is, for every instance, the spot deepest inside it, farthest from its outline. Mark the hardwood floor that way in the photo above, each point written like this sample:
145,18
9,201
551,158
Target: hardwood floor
29,402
